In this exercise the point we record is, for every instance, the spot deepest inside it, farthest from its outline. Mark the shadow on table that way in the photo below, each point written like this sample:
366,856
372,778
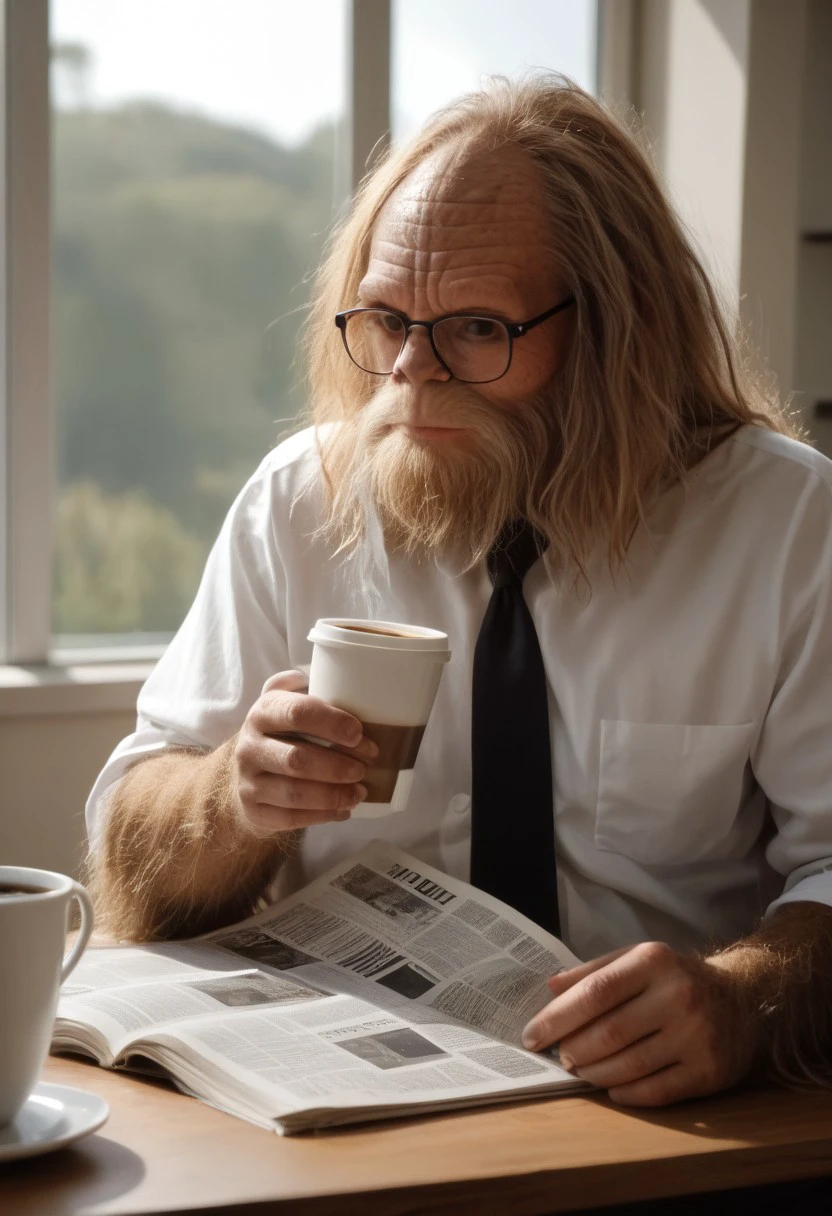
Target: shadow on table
75,1175
809,1197
713,1117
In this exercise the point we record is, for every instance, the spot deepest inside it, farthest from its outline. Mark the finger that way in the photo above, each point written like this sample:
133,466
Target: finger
305,761
280,712
288,793
639,1060
590,998
672,1084
366,750
269,820
570,976
612,1033
288,681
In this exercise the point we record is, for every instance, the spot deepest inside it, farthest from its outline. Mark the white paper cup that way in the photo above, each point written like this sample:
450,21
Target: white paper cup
387,674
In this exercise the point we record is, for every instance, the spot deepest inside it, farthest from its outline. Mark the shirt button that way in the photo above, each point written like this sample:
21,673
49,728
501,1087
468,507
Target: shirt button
460,804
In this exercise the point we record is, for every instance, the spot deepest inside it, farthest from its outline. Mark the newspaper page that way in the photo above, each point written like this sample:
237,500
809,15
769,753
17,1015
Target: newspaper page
383,987
416,934
121,1009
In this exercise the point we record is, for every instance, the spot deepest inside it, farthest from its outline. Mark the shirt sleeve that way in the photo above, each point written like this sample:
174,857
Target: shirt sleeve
793,758
231,641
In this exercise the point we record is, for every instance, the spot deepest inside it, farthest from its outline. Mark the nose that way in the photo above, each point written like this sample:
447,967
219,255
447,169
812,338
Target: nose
417,363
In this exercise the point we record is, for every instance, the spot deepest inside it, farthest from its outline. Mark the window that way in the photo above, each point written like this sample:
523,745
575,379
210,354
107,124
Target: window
442,49
193,169
200,150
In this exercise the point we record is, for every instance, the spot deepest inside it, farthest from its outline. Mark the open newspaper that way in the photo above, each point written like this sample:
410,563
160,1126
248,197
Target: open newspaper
383,988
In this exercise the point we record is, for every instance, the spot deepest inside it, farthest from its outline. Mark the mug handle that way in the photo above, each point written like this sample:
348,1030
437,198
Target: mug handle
84,933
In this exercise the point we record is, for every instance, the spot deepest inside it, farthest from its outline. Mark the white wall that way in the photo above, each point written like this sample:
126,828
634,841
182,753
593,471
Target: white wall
47,766
813,347
690,87
816,158
736,97
769,269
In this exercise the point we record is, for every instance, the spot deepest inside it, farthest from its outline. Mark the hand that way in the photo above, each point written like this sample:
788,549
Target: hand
650,1025
284,782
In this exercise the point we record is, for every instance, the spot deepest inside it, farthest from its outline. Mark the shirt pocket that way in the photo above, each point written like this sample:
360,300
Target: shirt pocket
669,794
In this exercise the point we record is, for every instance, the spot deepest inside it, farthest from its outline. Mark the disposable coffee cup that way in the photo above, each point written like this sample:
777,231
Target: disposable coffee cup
387,675
34,907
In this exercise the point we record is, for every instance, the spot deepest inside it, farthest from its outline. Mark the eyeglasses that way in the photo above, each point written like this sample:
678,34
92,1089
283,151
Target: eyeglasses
471,348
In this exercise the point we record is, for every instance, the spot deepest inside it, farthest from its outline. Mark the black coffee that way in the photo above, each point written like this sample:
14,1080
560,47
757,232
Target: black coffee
385,633
8,889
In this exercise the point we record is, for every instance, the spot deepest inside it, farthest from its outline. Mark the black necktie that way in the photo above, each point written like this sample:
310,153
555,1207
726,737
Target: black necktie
513,832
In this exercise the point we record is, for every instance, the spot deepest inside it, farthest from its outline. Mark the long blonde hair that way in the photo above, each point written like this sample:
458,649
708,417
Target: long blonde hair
654,372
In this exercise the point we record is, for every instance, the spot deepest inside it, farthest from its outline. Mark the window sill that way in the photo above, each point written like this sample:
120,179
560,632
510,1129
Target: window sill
79,688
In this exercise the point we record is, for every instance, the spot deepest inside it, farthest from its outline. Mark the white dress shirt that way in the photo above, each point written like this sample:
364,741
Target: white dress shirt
690,698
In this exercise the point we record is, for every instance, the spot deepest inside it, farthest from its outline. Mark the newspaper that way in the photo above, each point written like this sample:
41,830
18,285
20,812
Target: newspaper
383,988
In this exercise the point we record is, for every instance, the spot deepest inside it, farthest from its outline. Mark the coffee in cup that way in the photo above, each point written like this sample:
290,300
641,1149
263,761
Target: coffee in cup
34,910
387,675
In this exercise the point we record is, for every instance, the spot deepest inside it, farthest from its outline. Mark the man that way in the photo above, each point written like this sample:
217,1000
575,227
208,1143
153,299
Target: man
526,334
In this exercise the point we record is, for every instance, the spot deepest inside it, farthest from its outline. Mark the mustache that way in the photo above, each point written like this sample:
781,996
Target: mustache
424,499
434,405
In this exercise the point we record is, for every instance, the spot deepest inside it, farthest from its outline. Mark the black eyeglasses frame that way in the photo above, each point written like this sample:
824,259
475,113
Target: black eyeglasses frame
517,329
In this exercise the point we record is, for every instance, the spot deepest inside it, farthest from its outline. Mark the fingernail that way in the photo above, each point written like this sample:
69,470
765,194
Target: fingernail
361,790
345,814
531,1038
351,736
567,1063
370,748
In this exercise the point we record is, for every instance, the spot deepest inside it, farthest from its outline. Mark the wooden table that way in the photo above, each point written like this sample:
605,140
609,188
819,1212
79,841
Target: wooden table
163,1153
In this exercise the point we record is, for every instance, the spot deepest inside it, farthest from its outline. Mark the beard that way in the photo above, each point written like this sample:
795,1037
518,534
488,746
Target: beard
449,498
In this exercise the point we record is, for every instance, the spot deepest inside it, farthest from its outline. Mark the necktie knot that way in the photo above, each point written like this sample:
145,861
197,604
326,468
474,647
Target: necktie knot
517,549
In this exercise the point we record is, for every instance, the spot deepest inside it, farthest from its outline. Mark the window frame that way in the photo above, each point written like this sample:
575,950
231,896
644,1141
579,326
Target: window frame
25,395
27,464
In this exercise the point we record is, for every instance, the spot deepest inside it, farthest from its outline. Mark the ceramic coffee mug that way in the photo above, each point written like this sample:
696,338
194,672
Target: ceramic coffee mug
34,910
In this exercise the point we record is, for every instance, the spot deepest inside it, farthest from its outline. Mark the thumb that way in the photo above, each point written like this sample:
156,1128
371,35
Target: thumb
564,980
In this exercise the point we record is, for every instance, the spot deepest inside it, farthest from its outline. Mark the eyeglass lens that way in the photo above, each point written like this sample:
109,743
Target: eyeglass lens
473,348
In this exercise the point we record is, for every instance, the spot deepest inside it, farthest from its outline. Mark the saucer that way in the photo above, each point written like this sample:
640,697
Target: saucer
52,1116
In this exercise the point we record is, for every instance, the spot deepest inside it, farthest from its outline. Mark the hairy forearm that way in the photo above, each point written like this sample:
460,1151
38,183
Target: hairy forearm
784,971
176,857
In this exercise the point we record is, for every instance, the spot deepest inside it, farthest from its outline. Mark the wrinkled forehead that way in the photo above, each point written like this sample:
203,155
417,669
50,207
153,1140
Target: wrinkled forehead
504,180
485,211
